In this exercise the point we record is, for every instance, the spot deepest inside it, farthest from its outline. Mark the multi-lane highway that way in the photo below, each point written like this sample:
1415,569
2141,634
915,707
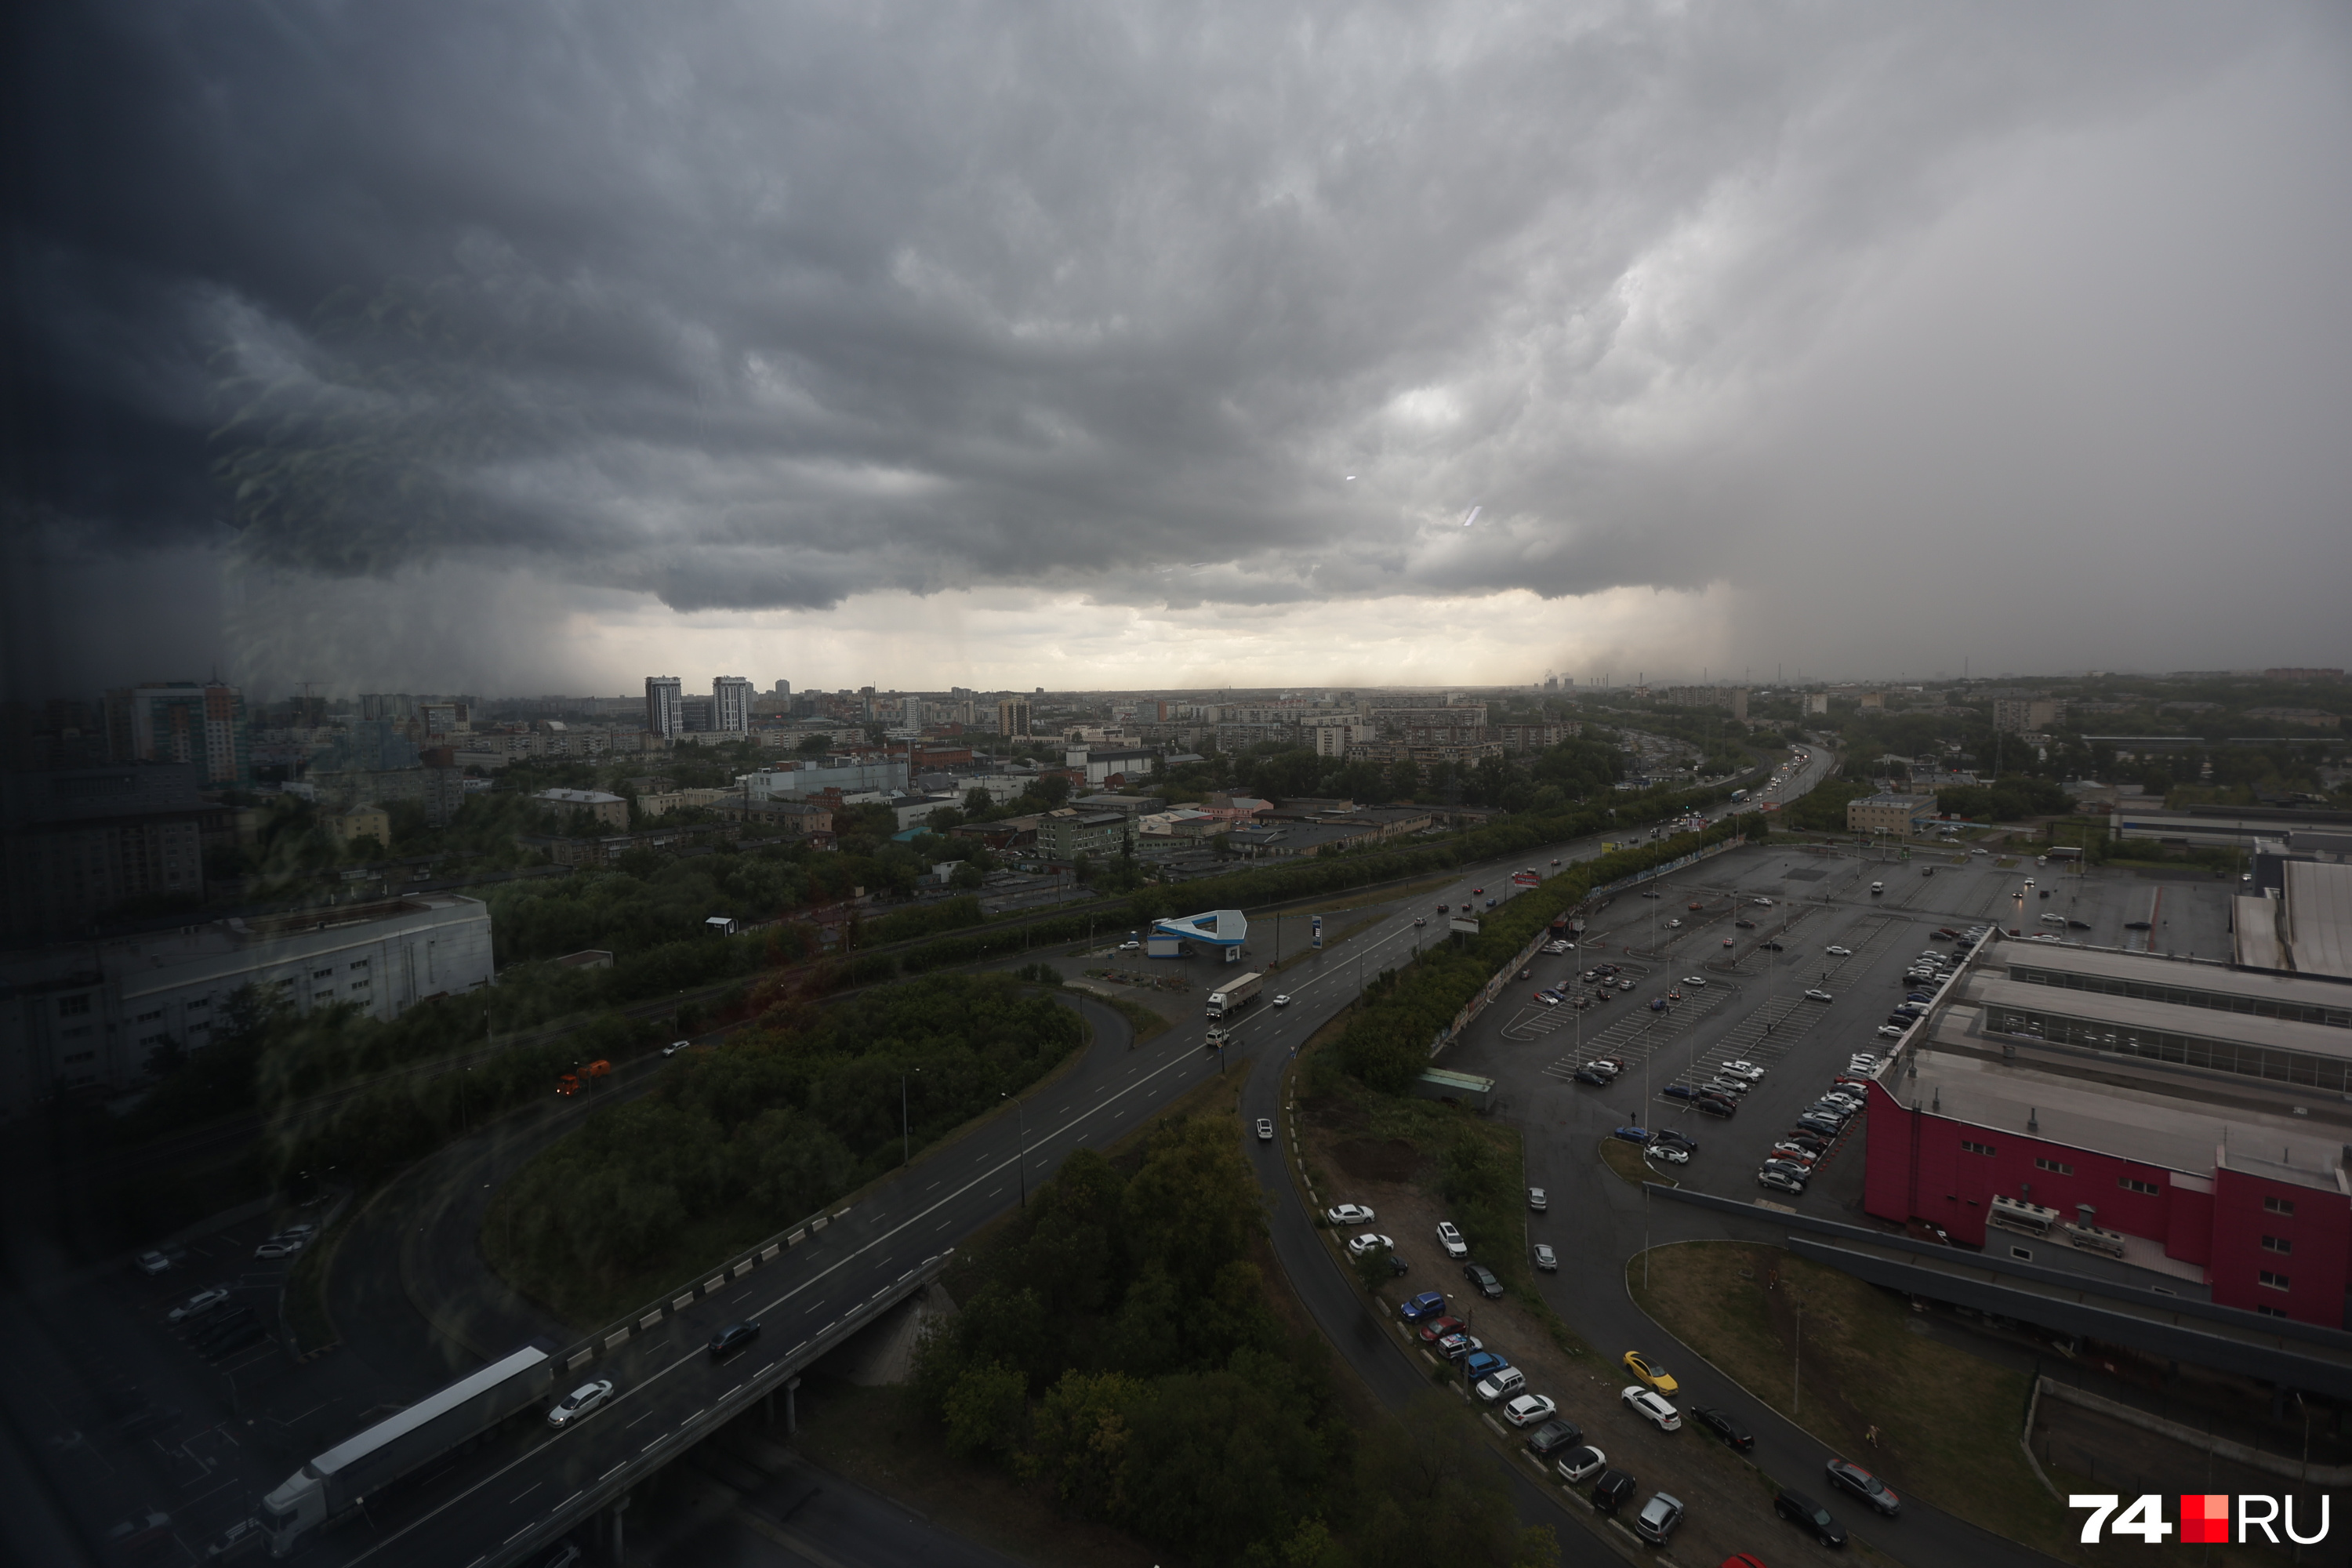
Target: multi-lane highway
670,1390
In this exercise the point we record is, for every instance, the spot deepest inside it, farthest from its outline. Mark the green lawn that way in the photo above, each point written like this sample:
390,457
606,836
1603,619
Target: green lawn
1949,1422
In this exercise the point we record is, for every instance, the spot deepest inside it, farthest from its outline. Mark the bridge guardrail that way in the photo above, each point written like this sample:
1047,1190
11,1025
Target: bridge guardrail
585,1503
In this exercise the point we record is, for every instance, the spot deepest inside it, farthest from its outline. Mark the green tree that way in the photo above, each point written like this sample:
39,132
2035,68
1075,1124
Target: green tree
1079,1441
983,1411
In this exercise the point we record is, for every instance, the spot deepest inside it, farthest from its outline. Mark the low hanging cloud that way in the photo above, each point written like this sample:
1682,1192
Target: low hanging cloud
770,307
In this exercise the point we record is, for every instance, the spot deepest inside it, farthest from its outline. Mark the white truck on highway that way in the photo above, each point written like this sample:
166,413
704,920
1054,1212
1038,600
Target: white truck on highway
361,1466
1234,995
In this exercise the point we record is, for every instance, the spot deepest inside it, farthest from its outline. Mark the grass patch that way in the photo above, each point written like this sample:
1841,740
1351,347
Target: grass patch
1147,1023
1948,1421
1626,1160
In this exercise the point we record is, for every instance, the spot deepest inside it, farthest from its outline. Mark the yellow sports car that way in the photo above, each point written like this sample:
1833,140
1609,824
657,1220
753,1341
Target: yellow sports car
1654,1377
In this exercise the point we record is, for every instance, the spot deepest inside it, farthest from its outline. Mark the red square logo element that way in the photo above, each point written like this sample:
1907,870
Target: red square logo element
2205,1516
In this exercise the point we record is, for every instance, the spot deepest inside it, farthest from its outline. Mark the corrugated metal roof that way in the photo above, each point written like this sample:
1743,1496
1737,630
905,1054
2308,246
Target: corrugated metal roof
2158,970
2131,1013
2320,918
2253,932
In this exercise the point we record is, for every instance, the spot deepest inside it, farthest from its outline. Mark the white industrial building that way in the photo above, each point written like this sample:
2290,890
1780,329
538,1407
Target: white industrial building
84,1017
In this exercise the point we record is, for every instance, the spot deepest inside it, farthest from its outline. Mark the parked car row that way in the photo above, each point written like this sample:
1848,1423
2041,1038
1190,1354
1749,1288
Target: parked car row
215,1324
1789,1165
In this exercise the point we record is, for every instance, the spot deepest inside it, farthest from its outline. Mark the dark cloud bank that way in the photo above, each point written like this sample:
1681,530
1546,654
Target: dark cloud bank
768,306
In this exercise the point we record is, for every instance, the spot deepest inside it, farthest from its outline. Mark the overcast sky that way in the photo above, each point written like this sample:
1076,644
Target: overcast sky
518,347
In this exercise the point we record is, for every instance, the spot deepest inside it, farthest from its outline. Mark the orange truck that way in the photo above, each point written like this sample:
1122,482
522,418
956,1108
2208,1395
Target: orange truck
569,1084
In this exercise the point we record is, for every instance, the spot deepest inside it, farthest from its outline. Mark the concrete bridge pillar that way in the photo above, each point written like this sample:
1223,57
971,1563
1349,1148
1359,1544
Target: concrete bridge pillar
614,1514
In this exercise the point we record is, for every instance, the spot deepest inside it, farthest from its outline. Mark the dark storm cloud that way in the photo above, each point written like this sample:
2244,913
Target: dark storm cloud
762,306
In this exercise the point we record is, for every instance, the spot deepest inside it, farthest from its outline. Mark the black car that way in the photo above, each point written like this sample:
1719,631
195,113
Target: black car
240,1338
1850,1477
1481,1276
1613,1489
2078,925
1552,1436
733,1338
1598,1080
1398,1265
1813,1141
1669,1136
1810,1517
1715,1105
1724,1424
215,1327
1771,946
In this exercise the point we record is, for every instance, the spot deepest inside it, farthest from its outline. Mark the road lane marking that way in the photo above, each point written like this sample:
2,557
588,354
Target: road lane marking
524,1493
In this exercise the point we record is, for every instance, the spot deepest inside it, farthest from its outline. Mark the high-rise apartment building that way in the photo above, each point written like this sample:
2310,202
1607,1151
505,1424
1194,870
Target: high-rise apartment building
783,688
1012,716
911,712
665,705
730,704
182,721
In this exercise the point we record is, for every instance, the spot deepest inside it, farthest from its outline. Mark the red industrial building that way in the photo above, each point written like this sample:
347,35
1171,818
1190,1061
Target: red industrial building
2192,1118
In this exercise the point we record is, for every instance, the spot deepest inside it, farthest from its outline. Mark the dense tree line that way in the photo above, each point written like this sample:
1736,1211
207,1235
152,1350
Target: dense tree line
782,1118
1121,1352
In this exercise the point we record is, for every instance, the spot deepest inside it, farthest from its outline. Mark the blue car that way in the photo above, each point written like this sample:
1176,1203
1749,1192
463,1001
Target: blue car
1428,1304
1918,996
1679,1091
1634,1134
1657,1004
1485,1364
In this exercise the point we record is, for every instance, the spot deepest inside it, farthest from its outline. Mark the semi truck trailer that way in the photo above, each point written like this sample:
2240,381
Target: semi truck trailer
332,1486
1234,995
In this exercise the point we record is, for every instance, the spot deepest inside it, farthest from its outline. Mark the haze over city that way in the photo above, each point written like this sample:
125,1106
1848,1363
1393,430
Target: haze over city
532,348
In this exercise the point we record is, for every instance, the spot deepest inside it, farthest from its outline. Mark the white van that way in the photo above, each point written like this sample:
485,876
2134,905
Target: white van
2059,920
1878,887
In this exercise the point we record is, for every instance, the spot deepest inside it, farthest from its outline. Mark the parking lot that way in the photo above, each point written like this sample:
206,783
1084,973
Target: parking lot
135,1415
1784,910
1753,1008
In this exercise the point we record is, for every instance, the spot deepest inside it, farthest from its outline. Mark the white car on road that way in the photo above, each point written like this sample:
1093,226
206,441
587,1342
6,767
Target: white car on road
1265,1130
1694,979
1282,1001
1841,952
576,1404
